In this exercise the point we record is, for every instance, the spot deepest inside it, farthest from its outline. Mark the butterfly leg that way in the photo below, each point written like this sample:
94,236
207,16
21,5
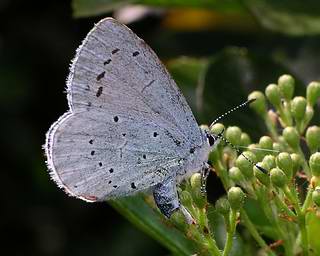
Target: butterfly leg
204,175
166,197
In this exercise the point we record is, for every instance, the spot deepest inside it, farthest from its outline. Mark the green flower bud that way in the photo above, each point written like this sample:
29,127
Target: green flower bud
277,146
233,134
278,177
308,115
259,105
313,92
245,139
315,181
286,86
236,198
244,165
298,107
223,206
316,196
273,94
297,162
313,138
284,162
262,177
195,181
254,148
198,197
266,142
269,161
314,163
217,128
236,175
291,136
273,117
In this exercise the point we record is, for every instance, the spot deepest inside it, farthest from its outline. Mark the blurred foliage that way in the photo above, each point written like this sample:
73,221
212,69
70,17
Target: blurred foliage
289,17
84,8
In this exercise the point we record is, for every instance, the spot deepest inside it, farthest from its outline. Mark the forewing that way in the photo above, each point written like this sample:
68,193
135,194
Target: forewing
128,125
113,58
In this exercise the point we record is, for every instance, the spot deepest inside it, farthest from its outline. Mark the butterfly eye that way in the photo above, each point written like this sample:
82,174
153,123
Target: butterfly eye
211,139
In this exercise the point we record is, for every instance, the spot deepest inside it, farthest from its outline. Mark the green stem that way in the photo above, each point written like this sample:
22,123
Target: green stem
283,207
285,115
274,221
212,246
308,201
271,128
254,233
206,241
293,197
223,174
204,233
230,232
305,164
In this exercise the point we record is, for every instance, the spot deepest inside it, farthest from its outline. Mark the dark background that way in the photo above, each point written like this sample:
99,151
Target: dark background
37,42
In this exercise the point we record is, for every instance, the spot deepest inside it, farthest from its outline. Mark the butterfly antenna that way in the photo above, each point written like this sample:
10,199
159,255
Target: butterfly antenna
231,110
240,153
261,149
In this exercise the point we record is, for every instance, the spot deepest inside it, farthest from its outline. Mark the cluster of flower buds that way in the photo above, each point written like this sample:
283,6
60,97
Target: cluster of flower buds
289,188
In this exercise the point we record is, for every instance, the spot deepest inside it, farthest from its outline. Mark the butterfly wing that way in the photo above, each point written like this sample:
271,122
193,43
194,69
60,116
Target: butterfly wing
128,124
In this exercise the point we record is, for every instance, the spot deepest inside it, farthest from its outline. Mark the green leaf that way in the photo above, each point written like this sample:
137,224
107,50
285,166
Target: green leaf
83,8
225,6
138,212
293,17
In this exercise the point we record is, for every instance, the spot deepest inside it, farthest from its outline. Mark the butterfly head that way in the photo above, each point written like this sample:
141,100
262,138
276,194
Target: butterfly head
213,139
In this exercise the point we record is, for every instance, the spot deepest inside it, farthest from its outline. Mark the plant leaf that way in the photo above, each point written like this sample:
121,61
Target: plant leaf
292,17
138,212
84,8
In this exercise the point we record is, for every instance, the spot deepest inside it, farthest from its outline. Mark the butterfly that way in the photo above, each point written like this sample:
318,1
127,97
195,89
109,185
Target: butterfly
128,128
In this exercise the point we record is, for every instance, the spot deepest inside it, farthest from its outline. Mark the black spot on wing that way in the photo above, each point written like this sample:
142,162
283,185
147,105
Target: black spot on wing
100,76
135,54
100,164
91,141
116,119
155,134
144,156
115,51
99,92
92,152
133,186
107,62
111,170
